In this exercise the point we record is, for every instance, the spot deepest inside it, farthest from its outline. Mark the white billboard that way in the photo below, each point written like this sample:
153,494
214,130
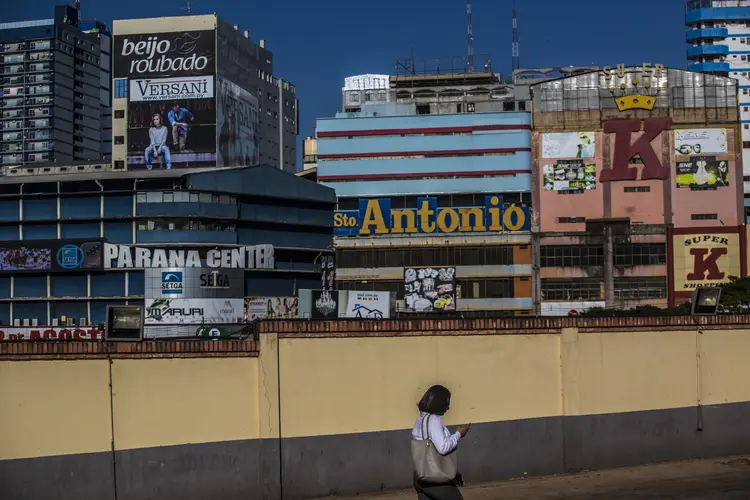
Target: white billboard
194,311
568,145
367,305
167,89
696,141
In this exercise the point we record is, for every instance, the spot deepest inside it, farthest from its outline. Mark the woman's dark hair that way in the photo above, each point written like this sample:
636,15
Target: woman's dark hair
435,401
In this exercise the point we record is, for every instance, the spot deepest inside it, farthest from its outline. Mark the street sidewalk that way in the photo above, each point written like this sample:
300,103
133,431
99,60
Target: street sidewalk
725,478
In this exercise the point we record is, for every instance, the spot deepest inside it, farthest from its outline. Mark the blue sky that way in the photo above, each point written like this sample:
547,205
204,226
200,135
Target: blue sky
317,43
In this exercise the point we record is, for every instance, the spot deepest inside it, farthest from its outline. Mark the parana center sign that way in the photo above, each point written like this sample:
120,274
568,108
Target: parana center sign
376,217
134,257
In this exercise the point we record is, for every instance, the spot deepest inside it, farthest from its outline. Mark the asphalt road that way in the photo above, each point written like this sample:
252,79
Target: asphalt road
727,478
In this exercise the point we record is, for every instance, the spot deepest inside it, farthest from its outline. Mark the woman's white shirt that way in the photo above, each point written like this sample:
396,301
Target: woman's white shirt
441,437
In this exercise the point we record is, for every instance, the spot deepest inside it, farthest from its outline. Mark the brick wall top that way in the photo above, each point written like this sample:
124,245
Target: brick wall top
52,349
524,326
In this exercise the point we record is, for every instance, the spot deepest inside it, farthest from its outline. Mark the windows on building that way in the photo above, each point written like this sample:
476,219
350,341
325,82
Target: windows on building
640,254
572,289
572,256
121,89
641,288
437,256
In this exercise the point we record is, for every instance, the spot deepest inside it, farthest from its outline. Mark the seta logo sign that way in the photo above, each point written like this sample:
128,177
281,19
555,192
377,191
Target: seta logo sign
375,217
171,283
215,280
163,55
70,257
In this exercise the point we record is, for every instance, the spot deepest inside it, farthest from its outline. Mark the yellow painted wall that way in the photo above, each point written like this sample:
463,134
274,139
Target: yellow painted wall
349,385
161,402
54,408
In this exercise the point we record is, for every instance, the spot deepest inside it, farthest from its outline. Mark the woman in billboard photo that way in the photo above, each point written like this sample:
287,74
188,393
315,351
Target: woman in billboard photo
157,135
178,118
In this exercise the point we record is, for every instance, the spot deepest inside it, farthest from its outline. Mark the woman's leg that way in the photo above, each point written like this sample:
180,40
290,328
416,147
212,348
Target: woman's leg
167,155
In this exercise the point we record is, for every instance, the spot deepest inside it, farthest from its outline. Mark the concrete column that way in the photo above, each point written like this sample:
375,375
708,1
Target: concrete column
270,417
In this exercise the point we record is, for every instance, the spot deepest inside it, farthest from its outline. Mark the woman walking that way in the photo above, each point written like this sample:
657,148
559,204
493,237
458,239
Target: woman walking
436,475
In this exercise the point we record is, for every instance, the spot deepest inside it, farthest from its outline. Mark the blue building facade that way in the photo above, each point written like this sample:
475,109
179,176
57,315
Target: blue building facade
421,190
718,40
170,210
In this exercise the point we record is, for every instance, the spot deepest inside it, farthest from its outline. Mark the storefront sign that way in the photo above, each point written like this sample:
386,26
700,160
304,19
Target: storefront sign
51,332
375,217
626,149
193,283
53,255
705,260
165,89
130,257
194,311
182,53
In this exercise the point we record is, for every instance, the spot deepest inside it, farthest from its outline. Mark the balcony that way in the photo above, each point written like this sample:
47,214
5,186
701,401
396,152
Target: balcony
707,50
709,67
693,35
716,14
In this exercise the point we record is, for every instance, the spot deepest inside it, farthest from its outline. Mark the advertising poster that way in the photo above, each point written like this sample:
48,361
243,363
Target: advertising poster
172,128
702,172
50,255
325,304
705,259
430,289
271,308
237,125
194,311
700,141
135,257
568,145
327,272
368,305
569,175
181,53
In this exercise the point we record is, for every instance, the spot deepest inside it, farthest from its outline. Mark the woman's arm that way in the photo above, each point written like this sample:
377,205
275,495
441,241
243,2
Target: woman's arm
443,445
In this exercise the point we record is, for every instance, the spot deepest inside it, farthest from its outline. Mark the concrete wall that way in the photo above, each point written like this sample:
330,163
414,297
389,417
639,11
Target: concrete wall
326,407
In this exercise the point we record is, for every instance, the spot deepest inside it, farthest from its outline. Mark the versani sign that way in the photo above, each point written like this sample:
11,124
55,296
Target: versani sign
162,89
247,257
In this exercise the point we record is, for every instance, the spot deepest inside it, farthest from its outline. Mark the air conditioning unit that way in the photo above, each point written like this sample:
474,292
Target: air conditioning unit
26,322
35,322
16,322
83,321
70,322
55,321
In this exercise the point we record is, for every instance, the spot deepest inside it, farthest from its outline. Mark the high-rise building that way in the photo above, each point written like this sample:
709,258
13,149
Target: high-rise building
719,39
206,89
55,79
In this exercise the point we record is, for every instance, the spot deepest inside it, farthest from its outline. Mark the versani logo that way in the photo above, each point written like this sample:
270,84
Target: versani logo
152,55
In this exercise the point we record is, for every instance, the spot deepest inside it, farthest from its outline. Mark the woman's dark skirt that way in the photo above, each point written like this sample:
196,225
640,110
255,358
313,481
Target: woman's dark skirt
446,491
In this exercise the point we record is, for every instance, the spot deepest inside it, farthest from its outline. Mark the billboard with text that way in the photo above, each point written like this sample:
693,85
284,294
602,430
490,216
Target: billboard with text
180,53
194,311
237,125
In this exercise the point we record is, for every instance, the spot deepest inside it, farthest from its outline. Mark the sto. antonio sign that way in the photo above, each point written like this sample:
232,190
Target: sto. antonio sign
134,257
181,53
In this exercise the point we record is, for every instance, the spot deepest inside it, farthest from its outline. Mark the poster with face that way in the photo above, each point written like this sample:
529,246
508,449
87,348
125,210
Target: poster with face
430,289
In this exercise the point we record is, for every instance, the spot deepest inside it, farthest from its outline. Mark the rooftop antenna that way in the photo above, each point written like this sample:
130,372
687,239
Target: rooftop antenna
516,62
470,36
78,10
186,8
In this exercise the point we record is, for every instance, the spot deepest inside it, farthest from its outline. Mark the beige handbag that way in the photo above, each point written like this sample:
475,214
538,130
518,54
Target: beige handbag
429,464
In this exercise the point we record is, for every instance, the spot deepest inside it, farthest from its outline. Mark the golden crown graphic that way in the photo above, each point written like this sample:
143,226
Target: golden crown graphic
634,88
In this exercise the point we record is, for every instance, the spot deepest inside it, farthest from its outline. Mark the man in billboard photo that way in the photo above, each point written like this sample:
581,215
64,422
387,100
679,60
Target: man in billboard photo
158,138
178,118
